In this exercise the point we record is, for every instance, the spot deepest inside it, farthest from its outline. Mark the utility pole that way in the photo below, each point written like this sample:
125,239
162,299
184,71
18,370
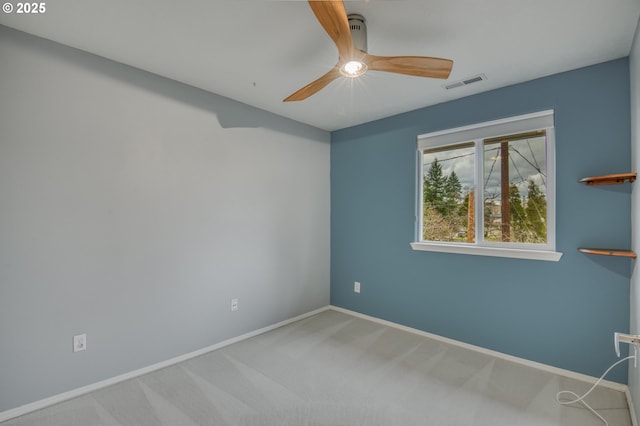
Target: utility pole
505,218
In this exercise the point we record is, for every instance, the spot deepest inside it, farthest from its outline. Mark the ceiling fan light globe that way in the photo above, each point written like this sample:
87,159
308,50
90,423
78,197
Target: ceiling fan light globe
353,69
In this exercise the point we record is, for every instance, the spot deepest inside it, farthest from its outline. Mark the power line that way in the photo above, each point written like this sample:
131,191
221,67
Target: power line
495,158
535,166
532,154
448,159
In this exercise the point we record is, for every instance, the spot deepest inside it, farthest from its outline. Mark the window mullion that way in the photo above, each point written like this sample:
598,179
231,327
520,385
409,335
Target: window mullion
479,192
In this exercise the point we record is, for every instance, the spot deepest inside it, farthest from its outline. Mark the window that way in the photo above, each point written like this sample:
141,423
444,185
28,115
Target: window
489,189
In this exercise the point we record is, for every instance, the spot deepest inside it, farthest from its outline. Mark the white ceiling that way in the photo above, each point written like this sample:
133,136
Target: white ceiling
260,51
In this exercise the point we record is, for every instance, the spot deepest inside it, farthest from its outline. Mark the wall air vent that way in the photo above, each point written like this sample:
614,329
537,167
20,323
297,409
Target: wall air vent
465,82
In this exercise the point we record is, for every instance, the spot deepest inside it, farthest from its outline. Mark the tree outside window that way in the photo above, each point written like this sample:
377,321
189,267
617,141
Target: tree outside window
513,202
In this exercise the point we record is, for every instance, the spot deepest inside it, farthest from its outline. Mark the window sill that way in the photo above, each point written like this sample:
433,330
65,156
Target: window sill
552,256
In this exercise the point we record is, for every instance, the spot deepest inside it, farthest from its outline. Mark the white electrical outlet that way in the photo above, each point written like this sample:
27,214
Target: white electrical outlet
356,287
79,342
234,305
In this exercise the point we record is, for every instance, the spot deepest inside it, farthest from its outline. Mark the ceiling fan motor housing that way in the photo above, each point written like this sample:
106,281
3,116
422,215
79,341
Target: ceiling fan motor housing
358,31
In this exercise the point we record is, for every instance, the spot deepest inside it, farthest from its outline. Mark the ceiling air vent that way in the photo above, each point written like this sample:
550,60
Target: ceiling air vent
465,82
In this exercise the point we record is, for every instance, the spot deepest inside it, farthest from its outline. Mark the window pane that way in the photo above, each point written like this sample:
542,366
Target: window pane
515,188
448,199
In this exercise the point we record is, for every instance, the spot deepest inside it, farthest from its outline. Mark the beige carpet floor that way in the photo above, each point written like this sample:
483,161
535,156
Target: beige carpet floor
333,369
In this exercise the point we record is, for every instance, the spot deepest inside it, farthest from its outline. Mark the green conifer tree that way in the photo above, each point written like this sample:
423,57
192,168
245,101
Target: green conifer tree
452,192
536,210
518,215
434,188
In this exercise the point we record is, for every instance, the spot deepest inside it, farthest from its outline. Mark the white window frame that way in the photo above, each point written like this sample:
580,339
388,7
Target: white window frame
543,120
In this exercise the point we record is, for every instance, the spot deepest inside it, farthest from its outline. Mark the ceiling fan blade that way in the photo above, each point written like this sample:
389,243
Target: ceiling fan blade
333,17
314,87
420,66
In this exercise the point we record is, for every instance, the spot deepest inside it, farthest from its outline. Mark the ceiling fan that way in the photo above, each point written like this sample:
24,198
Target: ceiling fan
349,35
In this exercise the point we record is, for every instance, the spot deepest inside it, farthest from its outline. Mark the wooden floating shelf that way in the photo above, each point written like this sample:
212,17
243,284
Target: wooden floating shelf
615,179
608,252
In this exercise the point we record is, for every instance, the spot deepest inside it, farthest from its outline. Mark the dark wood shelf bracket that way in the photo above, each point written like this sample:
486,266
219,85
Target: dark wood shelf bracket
608,252
615,179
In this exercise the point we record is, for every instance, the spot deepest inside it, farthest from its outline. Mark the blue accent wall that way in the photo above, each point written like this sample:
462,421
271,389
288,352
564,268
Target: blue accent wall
559,313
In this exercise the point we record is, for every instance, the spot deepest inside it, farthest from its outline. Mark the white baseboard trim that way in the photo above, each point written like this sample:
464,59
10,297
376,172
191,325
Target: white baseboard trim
632,410
540,366
74,393
43,403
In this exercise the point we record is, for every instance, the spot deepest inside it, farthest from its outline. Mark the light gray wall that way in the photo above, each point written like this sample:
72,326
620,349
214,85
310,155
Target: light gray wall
634,64
133,208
